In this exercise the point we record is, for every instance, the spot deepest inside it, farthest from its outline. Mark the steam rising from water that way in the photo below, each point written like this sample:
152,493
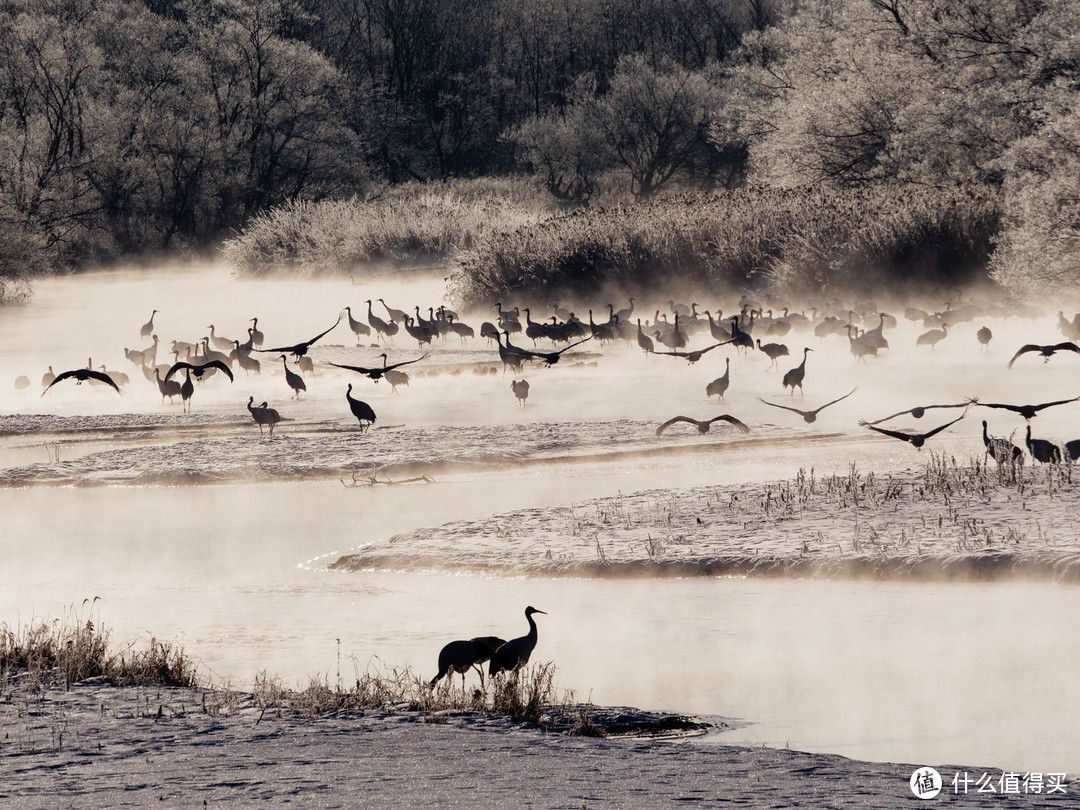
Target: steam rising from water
217,565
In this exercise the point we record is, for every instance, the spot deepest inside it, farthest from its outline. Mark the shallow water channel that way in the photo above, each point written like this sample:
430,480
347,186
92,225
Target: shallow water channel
911,672
967,674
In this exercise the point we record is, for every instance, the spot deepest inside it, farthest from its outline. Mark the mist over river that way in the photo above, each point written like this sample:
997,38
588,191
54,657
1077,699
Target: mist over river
195,527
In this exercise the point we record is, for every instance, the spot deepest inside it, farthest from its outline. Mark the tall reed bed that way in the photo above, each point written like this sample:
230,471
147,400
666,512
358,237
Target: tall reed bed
406,224
798,238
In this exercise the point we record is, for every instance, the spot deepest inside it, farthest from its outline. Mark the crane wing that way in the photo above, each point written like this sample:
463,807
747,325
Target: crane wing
785,407
1030,347
572,345
845,396
220,365
725,417
328,331
887,418
928,434
1016,408
357,369
403,363
1059,402
63,375
178,366
904,437
673,420
103,377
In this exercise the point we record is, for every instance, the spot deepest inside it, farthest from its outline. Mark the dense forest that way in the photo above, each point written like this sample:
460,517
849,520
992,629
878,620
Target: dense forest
148,127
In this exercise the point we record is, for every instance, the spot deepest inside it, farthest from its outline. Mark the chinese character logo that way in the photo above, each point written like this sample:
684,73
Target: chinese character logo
925,783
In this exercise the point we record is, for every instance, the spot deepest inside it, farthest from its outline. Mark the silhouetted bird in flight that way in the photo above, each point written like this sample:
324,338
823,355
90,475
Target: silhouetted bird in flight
694,356
81,375
810,416
1026,411
920,410
1045,351
300,349
703,426
376,373
916,439
199,370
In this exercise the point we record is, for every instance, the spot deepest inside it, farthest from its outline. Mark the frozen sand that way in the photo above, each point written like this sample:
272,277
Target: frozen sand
98,746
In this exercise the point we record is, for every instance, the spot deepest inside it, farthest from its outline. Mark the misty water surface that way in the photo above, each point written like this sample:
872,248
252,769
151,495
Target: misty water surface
236,570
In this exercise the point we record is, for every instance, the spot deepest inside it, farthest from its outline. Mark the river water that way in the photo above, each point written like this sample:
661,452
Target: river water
194,528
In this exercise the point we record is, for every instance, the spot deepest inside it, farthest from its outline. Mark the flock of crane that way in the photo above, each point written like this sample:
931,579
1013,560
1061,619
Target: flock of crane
754,327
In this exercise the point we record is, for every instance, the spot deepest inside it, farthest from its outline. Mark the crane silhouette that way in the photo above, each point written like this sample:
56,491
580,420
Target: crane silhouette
1002,450
465,654
703,426
1026,411
363,412
514,654
1042,450
810,416
774,351
551,358
521,390
81,375
917,440
300,349
694,356
1046,351
263,415
643,340
795,376
719,386
920,410
168,388
377,373
147,328
358,328
187,388
199,369
294,380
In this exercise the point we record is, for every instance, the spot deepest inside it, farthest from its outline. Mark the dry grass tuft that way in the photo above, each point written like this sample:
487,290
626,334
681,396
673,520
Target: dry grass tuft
66,651
525,698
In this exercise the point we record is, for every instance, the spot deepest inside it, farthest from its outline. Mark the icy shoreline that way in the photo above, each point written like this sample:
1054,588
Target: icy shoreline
132,747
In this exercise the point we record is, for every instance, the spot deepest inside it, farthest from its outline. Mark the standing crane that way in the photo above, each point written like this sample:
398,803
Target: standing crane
515,654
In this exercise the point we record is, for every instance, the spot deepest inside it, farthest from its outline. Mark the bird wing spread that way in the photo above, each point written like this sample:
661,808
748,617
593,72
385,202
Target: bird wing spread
904,437
845,396
1030,347
729,418
930,433
97,375
1059,402
673,420
358,369
402,363
785,407
177,367
222,366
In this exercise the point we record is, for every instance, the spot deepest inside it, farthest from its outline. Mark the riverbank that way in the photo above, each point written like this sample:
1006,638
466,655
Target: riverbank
101,746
